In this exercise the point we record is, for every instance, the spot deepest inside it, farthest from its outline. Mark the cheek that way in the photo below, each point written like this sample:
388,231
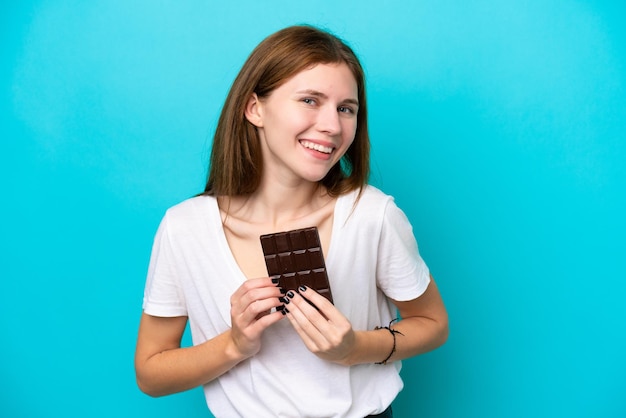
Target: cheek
349,133
291,121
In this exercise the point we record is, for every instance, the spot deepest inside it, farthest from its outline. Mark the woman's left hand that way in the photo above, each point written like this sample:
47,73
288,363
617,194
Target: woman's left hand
325,331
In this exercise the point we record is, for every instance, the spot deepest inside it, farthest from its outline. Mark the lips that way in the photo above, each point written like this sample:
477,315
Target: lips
317,147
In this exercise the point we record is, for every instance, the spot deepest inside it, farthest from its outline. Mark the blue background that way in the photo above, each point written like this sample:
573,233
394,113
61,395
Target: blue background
498,126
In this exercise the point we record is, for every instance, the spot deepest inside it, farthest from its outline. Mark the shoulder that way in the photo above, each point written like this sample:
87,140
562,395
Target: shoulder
372,209
376,196
370,202
188,213
190,205
365,211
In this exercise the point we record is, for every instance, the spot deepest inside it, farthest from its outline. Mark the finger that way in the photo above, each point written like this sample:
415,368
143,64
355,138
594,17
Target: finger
254,289
260,302
253,304
264,307
266,320
248,339
261,294
307,307
320,303
257,316
328,320
311,343
256,283
307,321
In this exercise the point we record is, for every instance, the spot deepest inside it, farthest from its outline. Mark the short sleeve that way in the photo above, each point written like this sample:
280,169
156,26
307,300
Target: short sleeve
163,295
402,274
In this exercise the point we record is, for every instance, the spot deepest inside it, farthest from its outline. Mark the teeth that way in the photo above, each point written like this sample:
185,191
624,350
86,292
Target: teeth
317,147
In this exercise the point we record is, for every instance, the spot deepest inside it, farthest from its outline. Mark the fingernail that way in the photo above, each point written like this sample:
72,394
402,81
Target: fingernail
290,294
285,311
282,299
275,279
302,288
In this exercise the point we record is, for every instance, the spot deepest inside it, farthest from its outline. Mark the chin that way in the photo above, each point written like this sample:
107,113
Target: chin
314,177
315,173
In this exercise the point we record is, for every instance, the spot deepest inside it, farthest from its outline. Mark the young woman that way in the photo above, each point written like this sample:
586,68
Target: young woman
291,151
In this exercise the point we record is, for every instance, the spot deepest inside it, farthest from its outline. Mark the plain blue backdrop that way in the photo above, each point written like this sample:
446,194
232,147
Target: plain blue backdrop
498,126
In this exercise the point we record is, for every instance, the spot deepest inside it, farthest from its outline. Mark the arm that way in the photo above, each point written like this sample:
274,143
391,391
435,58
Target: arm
424,327
162,367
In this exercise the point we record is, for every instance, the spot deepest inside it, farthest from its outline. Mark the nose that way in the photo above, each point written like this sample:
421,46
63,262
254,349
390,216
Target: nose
328,121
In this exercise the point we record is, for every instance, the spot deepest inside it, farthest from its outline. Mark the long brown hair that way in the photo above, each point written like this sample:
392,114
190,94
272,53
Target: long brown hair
236,163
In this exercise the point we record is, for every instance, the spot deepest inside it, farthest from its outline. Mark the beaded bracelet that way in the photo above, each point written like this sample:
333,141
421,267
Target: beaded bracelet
393,334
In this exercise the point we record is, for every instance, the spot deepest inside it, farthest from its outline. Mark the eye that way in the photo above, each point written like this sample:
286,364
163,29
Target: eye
308,100
345,109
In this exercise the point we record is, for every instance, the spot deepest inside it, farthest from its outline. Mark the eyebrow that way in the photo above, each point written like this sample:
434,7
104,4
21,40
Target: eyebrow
316,93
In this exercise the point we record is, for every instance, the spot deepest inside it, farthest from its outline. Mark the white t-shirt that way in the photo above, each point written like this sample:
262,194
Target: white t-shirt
372,253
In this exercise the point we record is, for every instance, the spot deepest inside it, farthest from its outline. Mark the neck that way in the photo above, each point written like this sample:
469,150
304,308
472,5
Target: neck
285,202
278,205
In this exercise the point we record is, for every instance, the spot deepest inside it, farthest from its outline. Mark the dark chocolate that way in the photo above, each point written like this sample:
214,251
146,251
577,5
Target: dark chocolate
296,259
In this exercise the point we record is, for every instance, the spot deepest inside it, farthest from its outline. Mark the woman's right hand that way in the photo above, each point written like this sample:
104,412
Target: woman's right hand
250,314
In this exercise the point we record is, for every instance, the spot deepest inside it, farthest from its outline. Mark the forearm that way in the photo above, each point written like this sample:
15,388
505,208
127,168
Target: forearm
414,336
179,369
417,335
423,327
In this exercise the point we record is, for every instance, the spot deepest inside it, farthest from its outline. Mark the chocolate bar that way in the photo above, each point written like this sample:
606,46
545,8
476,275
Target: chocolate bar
296,258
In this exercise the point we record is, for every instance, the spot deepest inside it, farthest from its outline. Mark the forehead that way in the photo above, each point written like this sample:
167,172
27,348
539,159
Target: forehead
330,79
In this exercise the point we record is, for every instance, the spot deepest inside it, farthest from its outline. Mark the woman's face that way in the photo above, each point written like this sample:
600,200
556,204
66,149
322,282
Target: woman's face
307,124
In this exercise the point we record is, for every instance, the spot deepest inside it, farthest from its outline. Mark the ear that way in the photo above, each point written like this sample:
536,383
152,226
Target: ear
253,111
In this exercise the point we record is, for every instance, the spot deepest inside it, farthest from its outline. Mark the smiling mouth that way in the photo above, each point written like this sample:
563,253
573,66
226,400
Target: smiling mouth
317,147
